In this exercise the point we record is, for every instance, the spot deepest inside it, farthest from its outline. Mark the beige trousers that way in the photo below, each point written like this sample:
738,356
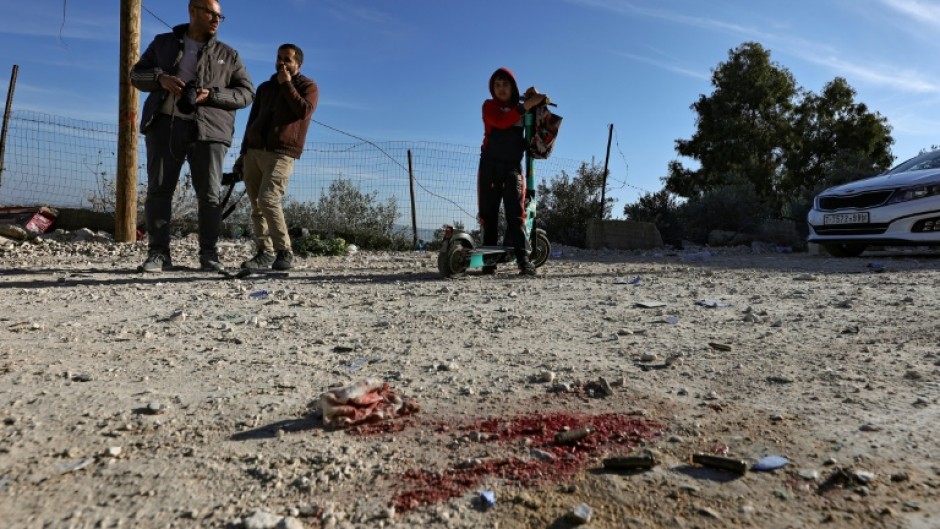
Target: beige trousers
266,175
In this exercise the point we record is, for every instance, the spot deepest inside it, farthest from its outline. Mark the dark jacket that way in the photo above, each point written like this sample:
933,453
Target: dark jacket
280,116
218,69
503,137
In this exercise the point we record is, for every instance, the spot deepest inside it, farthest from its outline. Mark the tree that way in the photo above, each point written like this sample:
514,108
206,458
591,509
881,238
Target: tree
839,141
743,128
566,204
345,212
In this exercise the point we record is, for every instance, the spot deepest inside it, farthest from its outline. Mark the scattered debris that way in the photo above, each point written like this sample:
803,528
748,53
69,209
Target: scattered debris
712,304
581,514
769,463
719,346
365,401
644,461
649,304
487,499
635,280
573,436
723,463
19,222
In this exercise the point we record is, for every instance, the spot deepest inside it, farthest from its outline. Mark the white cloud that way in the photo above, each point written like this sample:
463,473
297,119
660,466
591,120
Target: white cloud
889,76
922,11
695,74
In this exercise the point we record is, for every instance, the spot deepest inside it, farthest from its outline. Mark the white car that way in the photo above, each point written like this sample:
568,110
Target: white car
898,208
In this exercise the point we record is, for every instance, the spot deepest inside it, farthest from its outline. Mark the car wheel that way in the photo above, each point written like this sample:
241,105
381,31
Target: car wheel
844,250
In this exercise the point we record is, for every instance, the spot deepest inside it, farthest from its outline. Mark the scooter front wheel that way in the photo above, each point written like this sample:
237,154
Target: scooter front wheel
453,259
541,249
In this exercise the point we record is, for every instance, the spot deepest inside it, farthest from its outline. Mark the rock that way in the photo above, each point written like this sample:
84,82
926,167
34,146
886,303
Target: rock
870,428
580,515
546,377
289,522
809,475
542,455
262,520
900,477
155,408
114,451
649,357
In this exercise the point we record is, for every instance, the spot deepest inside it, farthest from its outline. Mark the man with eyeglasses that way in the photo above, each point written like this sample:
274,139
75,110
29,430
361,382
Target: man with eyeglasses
196,84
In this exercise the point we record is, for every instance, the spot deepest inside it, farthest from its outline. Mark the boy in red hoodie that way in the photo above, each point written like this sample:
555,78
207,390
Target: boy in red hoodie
500,176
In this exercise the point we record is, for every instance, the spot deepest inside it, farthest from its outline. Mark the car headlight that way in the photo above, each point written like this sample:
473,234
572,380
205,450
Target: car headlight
906,194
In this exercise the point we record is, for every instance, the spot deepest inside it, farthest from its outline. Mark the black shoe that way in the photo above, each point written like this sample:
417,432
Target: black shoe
261,261
284,260
489,270
156,262
526,269
209,262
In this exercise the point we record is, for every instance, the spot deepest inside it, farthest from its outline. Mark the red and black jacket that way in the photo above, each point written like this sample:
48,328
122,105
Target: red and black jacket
503,137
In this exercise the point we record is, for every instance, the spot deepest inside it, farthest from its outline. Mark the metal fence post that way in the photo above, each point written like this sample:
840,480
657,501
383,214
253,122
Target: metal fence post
414,216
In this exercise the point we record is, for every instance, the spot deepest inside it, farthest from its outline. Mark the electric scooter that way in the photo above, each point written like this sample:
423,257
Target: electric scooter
458,251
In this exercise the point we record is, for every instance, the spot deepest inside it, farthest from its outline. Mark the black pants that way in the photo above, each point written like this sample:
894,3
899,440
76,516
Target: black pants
170,142
502,183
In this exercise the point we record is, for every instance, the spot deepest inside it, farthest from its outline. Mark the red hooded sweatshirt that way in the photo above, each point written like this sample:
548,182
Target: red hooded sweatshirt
503,137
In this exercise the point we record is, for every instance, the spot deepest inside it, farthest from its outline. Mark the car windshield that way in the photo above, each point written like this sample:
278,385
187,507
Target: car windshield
930,160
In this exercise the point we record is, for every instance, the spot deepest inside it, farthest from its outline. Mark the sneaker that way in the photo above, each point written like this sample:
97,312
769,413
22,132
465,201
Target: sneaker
526,269
489,270
156,262
209,262
261,260
284,260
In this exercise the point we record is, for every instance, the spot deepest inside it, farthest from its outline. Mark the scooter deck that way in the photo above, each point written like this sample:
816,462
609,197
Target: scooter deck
490,255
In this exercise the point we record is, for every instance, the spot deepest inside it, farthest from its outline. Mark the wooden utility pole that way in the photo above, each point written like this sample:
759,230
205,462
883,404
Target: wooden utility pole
6,117
125,222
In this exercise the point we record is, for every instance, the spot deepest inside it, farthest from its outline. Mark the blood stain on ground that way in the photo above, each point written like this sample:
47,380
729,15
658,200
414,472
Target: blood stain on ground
611,433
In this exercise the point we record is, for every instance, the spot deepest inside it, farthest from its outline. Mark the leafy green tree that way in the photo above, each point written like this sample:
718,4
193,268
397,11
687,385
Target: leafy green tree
566,204
743,127
839,141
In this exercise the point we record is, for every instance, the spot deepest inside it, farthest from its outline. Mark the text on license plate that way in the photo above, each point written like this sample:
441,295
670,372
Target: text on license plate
846,218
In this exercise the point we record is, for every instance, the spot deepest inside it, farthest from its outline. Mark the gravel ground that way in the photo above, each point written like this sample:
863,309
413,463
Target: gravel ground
183,399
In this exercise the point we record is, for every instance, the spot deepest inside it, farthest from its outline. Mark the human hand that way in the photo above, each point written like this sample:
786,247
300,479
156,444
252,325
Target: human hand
202,95
171,83
531,91
534,100
283,76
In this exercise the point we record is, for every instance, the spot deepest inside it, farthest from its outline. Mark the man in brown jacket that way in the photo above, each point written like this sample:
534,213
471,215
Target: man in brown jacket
274,138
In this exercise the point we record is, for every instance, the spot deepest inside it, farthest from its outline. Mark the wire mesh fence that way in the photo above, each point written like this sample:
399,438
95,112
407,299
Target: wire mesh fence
62,162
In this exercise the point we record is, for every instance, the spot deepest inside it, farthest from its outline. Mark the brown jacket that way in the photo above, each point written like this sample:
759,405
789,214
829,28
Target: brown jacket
280,116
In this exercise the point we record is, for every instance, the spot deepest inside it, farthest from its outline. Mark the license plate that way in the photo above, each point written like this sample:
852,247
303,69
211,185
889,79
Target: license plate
846,218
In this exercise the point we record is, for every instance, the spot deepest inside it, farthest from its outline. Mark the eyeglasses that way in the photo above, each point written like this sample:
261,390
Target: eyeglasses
211,13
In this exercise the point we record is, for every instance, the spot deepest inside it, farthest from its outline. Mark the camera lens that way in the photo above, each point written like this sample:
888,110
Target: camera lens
187,101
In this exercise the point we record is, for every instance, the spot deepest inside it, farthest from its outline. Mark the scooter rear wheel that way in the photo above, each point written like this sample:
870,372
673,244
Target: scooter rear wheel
454,259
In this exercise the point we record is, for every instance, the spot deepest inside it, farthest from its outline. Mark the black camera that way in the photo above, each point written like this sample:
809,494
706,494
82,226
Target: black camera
187,101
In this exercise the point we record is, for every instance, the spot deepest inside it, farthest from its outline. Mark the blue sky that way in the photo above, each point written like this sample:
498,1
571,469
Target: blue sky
416,70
